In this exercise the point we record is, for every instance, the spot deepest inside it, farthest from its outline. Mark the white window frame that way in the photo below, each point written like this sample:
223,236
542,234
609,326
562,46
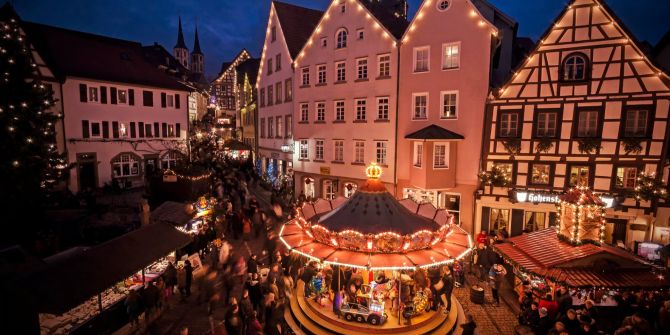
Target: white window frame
417,159
305,76
416,51
443,94
304,112
383,108
414,105
506,117
438,5
590,124
543,125
381,152
625,177
169,160
123,130
303,150
319,148
383,66
361,109
340,72
446,155
340,109
636,125
450,66
341,37
93,92
359,152
322,76
271,127
338,152
320,111
362,68
131,162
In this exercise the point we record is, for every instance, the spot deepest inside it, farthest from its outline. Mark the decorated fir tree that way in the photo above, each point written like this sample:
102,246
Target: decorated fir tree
31,164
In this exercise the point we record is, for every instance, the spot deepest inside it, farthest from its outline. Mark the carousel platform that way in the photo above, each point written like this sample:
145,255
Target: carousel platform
307,317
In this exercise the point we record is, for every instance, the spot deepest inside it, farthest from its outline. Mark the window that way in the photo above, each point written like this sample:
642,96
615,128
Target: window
169,100
339,110
278,92
360,33
280,127
304,149
170,130
271,127
278,62
421,59
587,123
304,112
320,111
273,33
305,76
499,219
574,67
270,66
540,174
443,5
418,154
262,128
626,178
270,96
343,7
451,56
318,152
341,38
506,168
349,189
95,129
509,124
339,151
534,221
449,105
289,126
420,106
125,165
383,108
262,94
359,152
441,156
93,94
361,106
341,71
546,124
362,68
579,176
636,123
123,130
122,96
321,71
324,42
384,62
288,88
328,190
169,160
381,152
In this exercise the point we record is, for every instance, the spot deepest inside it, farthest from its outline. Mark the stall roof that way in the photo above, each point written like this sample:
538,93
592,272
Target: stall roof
70,282
170,212
236,145
543,254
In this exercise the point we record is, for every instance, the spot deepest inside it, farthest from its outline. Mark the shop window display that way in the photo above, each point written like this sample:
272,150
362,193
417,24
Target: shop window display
540,174
579,176
534,221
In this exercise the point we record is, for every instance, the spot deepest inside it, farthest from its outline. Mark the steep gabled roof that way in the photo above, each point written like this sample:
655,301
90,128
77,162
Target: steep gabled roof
250,68
226,65
196,44
434,132
297,23
395,25
79,54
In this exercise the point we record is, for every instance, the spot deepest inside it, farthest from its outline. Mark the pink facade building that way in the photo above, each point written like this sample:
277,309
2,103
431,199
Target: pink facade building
288,29
345,98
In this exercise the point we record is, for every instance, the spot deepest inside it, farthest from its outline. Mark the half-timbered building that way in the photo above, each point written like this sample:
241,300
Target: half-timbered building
586,109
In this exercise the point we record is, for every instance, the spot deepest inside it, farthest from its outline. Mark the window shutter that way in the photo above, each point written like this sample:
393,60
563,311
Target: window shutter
157,131
147,129
103,94
112,95
517,222
148,98
105,129
141,129
164,127
84,128
177,104
115,129
131,97
486,216
82,93
163,100
177,128
132,130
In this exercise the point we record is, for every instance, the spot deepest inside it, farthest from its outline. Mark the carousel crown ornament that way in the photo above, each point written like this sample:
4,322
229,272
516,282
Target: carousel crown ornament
373,171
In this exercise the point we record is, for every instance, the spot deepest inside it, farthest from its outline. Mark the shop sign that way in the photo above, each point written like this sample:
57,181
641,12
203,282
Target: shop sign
537,197
274,155
325,170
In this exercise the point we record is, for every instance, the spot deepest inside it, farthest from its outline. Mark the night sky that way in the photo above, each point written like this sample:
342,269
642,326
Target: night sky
226,26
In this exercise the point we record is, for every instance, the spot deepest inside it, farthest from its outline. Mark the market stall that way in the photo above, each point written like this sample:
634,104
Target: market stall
236,150
71,304
386,241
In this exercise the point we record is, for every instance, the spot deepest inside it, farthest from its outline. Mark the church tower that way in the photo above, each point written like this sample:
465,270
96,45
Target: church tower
197,57
180,51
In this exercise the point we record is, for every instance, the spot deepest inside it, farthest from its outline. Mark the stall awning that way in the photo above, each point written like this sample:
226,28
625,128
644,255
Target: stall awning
434,132
236,145
171,212
70,282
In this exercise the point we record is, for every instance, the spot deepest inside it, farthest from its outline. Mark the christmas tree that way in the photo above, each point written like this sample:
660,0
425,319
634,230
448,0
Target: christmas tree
31,164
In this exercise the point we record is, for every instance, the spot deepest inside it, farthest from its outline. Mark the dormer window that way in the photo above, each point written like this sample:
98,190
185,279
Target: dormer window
575,67
341,38
443,5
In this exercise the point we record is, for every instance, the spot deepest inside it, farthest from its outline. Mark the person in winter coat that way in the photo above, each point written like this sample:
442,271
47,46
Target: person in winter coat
170,276
132,304
469,326
252,264
189,277
544,323
496,275
254,326
246,228
150,299
447,289
550,306
233,321
181,283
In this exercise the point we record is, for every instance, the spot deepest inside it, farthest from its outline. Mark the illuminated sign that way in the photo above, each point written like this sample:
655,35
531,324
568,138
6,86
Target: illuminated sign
552,198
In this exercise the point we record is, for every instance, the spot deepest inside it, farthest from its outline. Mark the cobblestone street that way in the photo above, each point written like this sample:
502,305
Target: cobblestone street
490,319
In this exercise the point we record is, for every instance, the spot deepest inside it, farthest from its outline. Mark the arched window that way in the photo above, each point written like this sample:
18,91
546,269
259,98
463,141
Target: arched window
341,37
575,67
443,5
170,159
125,165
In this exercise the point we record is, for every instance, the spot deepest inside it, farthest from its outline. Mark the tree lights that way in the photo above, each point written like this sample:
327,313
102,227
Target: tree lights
649,188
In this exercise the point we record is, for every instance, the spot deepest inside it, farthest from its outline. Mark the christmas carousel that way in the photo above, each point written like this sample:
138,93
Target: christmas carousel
371,255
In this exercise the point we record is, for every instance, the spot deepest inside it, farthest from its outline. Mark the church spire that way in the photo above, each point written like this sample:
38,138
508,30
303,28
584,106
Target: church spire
196,44
180,38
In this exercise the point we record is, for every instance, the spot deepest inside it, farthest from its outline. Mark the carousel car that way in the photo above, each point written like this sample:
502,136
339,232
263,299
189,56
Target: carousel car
360,313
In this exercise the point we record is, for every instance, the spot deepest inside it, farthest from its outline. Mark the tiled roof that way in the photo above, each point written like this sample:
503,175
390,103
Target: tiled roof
297,23
434,132
80,54
394,24
543,254
250,68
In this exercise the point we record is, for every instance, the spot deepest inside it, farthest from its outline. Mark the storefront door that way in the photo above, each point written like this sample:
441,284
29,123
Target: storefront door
87,170
516,227
619,231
